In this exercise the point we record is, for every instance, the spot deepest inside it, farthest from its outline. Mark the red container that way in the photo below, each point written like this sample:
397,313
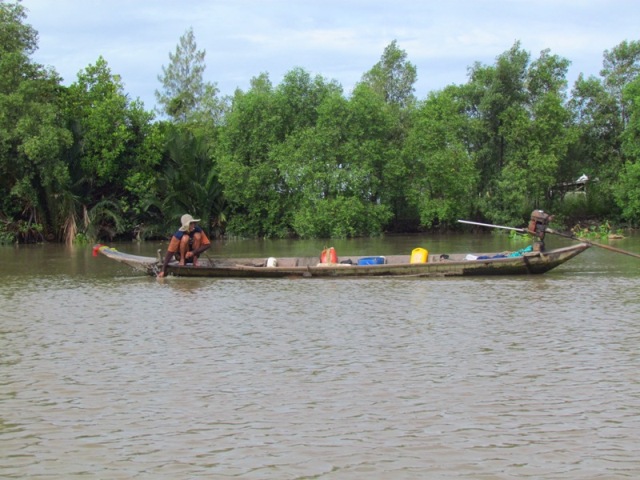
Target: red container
329,255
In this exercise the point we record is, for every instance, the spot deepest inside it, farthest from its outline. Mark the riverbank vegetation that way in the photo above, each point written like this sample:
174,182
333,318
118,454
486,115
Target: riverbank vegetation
306,159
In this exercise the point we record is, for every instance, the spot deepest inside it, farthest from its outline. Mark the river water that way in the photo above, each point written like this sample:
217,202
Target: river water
108,374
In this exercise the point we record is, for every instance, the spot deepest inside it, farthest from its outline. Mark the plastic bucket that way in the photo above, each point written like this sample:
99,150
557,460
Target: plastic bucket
419,255
372,261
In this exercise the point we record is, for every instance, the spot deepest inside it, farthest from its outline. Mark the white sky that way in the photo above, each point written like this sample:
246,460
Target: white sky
337,39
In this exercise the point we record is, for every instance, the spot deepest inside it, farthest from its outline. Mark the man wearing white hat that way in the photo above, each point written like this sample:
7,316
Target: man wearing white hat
186,244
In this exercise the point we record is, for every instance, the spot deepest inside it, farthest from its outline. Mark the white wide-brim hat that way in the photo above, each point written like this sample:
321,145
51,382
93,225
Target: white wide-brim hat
187,219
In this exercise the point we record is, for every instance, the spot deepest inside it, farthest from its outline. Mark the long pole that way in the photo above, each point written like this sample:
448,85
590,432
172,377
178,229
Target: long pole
606,247
553,232
521,230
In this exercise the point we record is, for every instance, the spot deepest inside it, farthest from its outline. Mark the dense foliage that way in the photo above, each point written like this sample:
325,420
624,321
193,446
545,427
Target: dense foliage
302,158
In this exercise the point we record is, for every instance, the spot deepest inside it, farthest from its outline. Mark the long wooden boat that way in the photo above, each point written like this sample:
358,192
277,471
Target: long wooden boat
348,266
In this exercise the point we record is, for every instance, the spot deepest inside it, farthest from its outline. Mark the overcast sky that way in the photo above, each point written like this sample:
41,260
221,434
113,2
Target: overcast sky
338,39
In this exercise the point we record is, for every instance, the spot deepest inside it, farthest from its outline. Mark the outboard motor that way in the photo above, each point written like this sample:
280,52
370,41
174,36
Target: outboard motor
537,227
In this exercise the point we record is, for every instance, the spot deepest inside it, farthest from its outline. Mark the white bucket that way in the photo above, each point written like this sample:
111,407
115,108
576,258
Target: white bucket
272,262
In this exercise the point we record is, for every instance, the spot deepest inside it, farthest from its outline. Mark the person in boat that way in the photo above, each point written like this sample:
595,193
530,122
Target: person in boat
538,227
187,244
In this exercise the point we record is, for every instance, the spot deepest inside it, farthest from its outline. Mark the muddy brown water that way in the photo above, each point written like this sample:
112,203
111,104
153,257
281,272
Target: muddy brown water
105,373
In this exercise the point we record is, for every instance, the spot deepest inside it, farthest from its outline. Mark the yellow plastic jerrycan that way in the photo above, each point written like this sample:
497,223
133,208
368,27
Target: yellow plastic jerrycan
419,255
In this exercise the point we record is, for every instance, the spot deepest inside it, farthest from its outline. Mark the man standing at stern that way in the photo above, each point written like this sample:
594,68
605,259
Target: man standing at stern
187,244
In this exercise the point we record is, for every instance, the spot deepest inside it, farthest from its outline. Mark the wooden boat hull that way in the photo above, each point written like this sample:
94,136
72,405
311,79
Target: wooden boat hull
396,265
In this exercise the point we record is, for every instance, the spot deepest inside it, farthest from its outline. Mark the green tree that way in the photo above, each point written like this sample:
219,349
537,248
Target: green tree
521,131
333,168
537,136
144,156
250,181
621,66
32,132
99,106
492,91
597,122
393,77
444,177
189,183
257,123
602,114
114,158
627,189
185,96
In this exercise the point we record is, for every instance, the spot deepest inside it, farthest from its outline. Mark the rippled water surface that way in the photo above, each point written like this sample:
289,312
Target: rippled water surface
108,374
